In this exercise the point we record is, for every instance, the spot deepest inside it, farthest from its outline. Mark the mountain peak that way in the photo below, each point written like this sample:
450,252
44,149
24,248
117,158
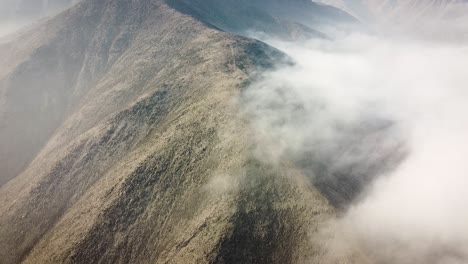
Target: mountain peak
120,141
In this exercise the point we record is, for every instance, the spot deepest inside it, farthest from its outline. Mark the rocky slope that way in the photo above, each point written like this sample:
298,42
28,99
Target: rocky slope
121,142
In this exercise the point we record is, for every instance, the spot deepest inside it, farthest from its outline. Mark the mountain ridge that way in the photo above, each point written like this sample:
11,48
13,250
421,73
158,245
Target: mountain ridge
136,151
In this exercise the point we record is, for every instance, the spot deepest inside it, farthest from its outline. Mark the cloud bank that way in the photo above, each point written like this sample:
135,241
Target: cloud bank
381,122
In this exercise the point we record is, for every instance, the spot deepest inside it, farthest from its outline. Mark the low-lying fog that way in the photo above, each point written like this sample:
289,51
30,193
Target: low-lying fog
413,90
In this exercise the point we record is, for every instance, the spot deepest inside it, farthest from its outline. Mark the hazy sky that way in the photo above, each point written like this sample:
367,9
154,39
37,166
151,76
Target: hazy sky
15,14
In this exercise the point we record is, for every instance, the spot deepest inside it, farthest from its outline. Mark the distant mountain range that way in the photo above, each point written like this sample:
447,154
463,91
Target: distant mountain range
400,10
281,18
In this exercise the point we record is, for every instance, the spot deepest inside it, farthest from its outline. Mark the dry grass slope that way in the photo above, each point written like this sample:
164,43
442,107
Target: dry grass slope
122,142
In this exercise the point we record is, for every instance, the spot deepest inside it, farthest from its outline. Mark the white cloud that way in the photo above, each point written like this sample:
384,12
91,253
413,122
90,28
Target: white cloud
415,213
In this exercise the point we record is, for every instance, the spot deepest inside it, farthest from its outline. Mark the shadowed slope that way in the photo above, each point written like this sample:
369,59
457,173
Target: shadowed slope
280,18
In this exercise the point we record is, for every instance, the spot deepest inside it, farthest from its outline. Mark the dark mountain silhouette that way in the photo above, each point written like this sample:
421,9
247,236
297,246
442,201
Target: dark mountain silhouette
280,18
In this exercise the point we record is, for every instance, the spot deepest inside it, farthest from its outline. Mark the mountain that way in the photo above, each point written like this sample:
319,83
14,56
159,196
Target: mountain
121,139
281,18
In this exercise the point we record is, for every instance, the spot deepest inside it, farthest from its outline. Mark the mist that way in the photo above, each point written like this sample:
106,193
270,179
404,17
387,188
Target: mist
17,14
12,26
379,123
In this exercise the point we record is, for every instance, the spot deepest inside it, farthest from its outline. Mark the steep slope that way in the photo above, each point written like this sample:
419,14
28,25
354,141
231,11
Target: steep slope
121,142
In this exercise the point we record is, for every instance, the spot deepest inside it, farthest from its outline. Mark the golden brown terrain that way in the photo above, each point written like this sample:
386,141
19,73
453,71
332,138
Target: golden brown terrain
121,141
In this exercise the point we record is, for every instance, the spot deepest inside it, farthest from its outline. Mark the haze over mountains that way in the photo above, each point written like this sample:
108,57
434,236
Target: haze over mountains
164,131
15,14
21,9
444,20
396,11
